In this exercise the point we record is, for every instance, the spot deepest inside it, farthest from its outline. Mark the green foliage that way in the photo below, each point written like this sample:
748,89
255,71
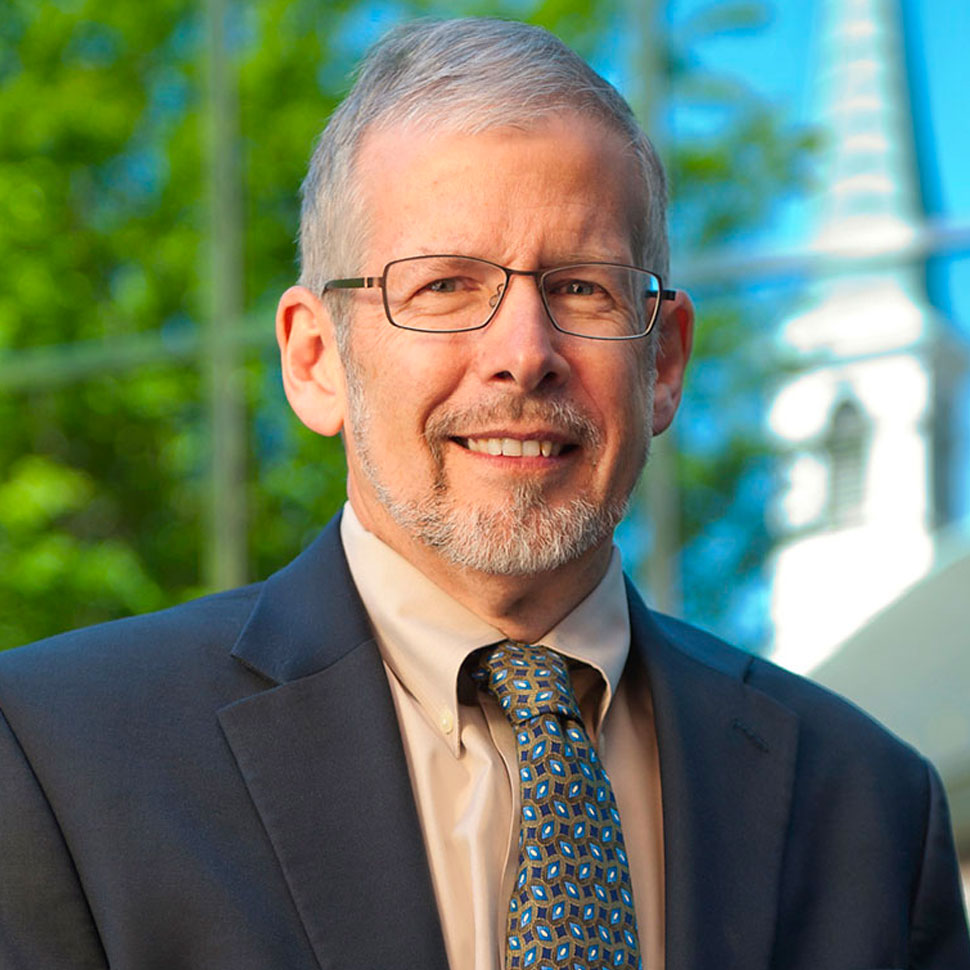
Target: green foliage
46,559
102,235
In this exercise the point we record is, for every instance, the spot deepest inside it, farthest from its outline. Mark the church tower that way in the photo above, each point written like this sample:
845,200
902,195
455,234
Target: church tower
861,420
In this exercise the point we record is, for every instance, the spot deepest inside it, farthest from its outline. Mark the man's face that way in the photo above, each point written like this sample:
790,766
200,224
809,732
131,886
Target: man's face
426,413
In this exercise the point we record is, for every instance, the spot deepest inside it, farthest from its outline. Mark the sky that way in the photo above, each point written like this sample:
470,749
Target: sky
778,59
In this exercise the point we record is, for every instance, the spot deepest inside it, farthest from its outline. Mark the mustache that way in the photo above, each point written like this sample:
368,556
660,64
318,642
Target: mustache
558,416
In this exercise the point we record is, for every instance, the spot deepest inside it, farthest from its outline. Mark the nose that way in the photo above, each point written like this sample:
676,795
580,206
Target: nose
520,347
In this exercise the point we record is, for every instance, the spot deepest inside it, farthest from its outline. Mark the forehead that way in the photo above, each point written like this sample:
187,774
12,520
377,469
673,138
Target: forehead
562,189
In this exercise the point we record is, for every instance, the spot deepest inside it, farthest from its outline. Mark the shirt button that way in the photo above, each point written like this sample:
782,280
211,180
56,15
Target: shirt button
446,721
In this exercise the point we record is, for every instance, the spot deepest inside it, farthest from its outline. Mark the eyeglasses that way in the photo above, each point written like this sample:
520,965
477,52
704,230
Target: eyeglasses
451,294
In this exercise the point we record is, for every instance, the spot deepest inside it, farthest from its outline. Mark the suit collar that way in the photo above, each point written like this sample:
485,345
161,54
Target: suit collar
308,615
727,763
321,755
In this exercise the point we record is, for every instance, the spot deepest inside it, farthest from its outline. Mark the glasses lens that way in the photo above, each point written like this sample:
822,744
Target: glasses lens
442,293
602,300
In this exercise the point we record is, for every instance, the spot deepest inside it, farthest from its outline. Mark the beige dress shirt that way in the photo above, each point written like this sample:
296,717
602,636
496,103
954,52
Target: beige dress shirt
461,750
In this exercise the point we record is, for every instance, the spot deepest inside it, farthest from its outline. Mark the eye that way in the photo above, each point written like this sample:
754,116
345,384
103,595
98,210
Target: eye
573,287
448,285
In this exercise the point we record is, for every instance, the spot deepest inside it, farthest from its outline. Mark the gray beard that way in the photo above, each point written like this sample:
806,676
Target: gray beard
526,536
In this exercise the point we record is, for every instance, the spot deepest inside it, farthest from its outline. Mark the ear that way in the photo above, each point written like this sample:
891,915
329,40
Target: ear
674,344
313,376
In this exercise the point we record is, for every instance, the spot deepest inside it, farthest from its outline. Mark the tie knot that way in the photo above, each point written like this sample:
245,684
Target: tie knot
527,680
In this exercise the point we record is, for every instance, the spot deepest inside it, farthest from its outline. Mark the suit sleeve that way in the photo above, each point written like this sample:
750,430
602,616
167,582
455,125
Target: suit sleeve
45,920
939,937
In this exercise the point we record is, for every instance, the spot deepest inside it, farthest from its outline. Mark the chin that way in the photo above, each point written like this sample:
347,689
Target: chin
525,536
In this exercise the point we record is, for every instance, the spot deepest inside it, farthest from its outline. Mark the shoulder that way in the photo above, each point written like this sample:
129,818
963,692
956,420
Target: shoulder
833,731
180,659
106,678
183,630
836,736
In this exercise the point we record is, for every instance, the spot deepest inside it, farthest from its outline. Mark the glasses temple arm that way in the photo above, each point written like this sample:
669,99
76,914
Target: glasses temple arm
354,283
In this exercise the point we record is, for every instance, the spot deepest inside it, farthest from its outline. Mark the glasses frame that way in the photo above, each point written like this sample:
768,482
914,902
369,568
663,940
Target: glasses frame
539,275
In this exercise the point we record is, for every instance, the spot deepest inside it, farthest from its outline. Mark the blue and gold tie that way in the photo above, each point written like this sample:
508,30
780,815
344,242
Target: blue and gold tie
572,905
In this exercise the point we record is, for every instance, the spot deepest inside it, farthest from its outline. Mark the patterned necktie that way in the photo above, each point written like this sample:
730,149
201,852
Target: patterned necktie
572,905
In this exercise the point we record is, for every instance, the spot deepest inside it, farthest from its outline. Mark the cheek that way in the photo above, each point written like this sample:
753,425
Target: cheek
628,423
625,395
368,366
640,400
400,397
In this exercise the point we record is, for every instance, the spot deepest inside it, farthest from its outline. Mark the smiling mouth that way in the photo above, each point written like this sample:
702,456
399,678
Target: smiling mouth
514,447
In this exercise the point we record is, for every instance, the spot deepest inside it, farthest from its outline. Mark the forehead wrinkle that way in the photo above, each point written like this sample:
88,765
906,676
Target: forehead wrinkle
522,241
442,209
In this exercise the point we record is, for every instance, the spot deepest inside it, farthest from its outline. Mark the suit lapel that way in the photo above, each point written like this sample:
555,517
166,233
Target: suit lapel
727,759
321,755
322,758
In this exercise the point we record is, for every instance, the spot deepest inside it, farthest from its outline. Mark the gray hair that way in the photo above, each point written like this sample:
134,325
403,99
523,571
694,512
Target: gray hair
466,76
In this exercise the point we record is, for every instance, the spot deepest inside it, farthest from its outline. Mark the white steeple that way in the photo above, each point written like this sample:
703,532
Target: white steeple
855,420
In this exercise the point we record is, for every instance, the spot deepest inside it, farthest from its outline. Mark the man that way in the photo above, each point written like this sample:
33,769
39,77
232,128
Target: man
383,757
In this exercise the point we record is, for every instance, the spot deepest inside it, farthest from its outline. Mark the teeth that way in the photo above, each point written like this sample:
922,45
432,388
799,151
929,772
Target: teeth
514,447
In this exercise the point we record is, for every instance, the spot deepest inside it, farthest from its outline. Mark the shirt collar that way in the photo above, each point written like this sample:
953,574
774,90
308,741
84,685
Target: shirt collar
425,635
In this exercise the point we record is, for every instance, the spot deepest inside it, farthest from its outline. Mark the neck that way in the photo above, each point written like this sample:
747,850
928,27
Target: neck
523,607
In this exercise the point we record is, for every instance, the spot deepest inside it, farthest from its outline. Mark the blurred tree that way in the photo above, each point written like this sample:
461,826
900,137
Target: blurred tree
94,243
102,224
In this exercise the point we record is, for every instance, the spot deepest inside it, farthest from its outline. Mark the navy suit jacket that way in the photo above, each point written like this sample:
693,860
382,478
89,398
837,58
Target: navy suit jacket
222,786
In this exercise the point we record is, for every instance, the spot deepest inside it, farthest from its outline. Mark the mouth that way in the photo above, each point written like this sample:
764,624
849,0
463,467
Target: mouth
515,447
522,429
